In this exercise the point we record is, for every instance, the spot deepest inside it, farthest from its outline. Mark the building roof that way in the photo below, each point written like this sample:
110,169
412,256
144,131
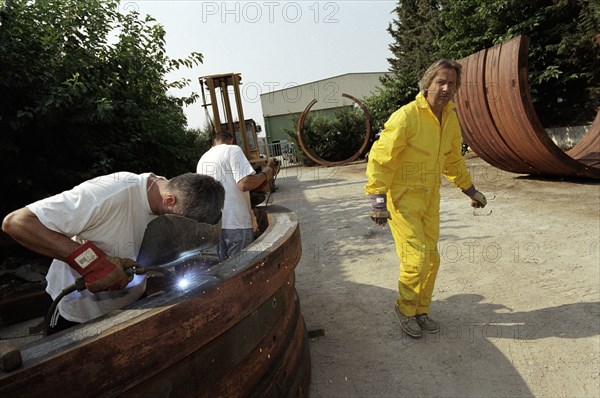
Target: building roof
328,93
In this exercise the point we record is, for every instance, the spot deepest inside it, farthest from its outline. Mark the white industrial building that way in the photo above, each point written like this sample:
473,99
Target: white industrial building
280,107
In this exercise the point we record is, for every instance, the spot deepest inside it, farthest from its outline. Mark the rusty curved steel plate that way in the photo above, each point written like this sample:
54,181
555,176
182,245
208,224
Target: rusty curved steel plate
476,119
500,123
312,155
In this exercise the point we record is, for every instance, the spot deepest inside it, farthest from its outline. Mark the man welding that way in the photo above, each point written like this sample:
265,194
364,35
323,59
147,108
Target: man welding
96,229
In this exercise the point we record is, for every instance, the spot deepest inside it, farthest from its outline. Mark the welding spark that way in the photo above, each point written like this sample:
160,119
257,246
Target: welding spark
183,283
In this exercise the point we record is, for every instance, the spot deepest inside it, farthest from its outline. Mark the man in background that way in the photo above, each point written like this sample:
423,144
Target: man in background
227,163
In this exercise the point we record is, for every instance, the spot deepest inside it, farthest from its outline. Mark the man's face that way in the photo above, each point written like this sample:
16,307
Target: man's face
442,87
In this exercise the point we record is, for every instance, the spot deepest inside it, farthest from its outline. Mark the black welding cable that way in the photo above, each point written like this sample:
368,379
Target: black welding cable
78,285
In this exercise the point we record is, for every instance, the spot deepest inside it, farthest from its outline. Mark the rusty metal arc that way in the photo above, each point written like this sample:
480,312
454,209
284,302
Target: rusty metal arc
316,158
499,120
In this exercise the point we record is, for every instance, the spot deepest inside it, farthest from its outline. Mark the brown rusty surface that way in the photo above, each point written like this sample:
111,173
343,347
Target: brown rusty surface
500,123
245,360
479,129
312,155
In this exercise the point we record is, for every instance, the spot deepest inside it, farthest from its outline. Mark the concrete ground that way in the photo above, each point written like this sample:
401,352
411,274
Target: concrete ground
517,294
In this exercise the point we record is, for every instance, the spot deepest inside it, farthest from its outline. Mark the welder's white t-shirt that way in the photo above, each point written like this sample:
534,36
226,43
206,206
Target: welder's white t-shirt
228,165
111,211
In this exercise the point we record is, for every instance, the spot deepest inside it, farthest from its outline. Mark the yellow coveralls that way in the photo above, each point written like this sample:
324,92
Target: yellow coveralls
407,162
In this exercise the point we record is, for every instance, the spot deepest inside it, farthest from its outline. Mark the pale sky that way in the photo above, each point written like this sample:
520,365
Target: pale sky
273,44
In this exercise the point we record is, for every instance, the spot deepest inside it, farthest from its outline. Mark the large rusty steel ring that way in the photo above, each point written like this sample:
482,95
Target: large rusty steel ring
316,158
500,124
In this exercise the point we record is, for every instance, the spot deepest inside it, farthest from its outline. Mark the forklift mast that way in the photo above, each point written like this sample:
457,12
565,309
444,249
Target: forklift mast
244,132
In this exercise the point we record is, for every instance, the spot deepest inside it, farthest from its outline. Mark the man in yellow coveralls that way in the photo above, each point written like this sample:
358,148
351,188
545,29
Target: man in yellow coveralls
420,142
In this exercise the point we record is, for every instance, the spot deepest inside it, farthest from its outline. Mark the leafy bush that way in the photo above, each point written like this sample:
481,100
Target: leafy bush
201,141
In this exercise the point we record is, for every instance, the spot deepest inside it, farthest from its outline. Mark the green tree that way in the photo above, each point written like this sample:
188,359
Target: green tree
203,139
82,93
563,57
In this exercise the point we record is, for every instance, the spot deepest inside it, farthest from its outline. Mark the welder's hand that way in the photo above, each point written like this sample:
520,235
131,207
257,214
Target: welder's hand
127,264
99,271
478,199
379,212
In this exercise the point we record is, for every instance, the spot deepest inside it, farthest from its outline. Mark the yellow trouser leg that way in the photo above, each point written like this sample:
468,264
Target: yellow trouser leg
431,228
415,230
410,246
428,282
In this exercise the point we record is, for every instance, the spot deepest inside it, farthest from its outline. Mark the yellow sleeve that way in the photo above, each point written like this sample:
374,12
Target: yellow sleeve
455,169
384,157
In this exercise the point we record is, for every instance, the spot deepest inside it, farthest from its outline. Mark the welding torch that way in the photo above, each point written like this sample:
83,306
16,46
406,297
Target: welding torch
79,285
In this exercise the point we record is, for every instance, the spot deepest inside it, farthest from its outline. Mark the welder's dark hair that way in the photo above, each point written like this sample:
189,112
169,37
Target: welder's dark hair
199,197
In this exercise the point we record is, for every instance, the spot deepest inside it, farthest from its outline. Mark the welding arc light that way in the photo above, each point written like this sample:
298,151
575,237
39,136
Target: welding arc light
183,283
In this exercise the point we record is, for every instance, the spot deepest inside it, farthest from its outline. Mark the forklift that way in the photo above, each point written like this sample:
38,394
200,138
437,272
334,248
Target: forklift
219,88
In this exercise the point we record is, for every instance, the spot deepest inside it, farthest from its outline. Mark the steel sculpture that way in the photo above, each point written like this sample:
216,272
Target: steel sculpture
500,123
316,158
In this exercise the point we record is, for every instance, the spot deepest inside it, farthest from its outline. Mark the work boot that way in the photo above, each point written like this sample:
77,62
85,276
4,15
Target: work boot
427,324
409,324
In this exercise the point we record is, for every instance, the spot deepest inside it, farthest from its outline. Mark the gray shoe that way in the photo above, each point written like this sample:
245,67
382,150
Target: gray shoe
427,324
409,324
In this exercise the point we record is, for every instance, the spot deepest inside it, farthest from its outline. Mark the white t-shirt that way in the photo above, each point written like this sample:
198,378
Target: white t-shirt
228,165
111,211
